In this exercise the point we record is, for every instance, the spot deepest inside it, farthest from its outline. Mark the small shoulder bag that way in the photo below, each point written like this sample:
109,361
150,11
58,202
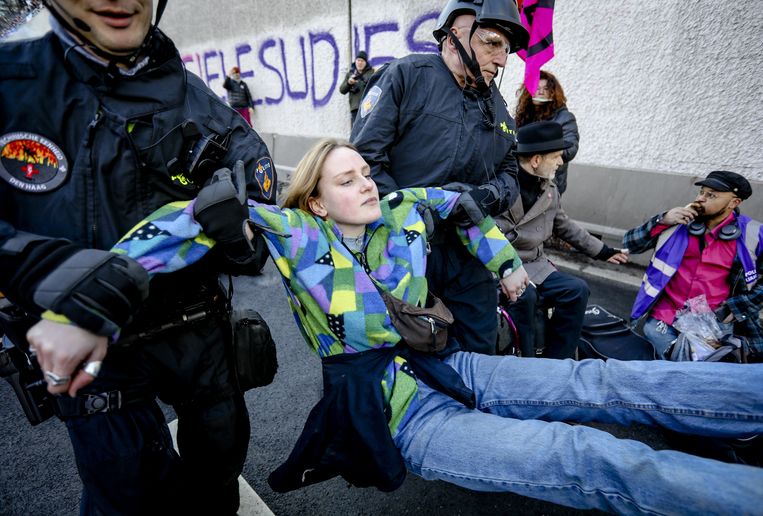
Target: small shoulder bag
424,329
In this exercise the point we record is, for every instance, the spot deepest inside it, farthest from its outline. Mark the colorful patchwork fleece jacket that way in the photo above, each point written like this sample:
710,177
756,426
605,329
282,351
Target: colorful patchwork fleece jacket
333,291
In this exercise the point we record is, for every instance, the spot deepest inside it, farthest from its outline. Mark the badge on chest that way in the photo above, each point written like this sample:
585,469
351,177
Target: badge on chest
31,163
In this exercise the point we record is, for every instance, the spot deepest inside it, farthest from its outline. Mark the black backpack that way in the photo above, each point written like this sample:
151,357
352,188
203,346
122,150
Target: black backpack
606,335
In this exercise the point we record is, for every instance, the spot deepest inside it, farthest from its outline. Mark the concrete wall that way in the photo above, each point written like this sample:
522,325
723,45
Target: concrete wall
666,86
663,90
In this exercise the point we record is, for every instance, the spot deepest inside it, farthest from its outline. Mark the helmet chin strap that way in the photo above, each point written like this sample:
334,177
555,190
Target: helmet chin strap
471,63
479,83
80,29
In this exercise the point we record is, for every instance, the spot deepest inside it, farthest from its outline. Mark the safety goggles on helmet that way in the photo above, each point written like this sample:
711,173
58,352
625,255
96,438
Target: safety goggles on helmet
501,14
494,42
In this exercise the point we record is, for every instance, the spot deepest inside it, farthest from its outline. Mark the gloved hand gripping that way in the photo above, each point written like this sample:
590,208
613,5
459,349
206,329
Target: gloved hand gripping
222,211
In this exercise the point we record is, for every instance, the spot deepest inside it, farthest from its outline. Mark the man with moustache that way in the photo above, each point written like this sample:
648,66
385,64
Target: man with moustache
706,247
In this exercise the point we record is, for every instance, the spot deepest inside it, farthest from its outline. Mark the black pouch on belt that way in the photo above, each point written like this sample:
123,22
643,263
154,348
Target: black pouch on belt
254,349
422,328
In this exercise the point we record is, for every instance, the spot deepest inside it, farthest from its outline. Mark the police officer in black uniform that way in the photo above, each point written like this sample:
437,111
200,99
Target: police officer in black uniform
436,120
100,124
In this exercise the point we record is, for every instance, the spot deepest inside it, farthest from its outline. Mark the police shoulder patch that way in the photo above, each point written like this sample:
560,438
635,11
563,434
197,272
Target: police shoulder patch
369,101
263,174
32,163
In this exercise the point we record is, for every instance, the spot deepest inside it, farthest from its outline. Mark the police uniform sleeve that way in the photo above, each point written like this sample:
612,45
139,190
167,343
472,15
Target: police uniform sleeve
494,197
507,192
499,194
376,125
97,290
261,184
506,180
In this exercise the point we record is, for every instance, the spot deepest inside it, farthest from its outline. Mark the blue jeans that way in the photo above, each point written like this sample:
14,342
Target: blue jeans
568,296
660,334
515,441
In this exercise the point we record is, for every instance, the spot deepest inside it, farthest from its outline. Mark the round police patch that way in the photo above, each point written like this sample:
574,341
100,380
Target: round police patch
31,163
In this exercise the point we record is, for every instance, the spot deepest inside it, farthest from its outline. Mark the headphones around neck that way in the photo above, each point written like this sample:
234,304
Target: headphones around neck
730,231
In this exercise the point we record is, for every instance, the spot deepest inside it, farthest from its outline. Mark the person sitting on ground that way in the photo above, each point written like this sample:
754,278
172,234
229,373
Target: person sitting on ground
488,423
532,219
706,247
355,81
550,104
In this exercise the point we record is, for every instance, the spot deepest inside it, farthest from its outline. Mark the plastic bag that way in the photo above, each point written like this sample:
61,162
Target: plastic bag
701,333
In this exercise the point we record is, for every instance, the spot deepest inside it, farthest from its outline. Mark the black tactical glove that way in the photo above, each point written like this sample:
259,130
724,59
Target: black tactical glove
467,211
428,216
474,204
222,212
97,290
488,199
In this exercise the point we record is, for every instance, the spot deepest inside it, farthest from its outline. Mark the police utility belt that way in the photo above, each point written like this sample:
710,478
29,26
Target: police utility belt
149,325
20,368
85,404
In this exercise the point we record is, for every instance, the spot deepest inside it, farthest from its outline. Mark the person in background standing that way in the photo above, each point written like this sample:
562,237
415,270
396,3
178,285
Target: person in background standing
550,104
239,96
355,81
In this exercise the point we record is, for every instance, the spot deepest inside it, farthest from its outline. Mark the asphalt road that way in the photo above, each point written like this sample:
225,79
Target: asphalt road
37,474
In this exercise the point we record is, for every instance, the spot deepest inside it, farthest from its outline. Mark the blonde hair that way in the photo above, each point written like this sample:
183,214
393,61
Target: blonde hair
304,183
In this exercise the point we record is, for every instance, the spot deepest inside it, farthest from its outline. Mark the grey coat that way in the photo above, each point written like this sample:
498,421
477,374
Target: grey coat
528,231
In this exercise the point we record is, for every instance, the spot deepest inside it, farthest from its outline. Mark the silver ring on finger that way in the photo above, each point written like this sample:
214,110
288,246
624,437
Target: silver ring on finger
92,368
56,380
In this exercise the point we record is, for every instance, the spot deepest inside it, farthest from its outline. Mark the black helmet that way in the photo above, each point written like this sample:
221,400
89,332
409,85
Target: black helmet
501,14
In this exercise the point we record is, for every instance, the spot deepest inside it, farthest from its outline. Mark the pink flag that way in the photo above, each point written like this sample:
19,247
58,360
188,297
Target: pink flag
537,17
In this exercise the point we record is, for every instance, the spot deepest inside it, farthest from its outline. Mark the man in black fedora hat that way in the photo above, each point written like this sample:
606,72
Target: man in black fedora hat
706,247
530,221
